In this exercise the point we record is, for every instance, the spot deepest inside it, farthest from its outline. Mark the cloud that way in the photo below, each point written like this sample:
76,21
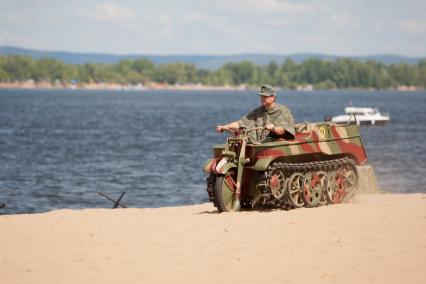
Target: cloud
237,26
414,27
269,7
164,20
197,17
165,25
340,19
204,24
112,12
27,2
8,38
275,6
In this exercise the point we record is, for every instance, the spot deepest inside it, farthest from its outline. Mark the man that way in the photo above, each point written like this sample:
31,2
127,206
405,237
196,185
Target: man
276,118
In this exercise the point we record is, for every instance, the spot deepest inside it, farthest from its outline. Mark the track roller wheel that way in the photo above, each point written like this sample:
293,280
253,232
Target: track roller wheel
277,183
295,188
313,185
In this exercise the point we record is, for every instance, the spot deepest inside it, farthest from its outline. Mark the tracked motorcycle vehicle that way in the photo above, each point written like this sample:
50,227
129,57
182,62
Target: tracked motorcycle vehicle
318,167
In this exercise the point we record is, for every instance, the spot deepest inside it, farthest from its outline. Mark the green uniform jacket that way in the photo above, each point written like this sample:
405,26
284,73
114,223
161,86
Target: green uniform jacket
279,115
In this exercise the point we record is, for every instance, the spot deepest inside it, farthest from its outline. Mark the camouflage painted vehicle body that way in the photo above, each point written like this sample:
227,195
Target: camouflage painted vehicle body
316,168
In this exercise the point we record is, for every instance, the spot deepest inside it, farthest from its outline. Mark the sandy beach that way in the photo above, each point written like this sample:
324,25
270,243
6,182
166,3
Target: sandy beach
374,239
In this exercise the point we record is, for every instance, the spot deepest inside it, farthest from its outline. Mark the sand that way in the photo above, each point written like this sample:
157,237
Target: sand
374,239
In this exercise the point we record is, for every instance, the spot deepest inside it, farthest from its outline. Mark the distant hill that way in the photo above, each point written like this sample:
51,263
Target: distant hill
201,61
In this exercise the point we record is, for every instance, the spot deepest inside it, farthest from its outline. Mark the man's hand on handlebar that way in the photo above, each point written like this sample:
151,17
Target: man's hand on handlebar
270,127
231,127
221,128
275,129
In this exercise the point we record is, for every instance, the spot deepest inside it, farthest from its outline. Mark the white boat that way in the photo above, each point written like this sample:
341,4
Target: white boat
362,116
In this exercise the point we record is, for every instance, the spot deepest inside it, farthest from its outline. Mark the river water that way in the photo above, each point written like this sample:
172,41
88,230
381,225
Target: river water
58,148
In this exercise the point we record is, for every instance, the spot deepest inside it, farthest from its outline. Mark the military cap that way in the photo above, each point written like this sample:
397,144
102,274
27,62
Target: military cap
266,90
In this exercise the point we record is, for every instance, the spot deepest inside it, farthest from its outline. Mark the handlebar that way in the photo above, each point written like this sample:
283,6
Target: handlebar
244,131
254,129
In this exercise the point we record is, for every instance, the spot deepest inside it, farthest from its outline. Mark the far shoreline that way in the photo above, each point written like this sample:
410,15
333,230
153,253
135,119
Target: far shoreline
104,86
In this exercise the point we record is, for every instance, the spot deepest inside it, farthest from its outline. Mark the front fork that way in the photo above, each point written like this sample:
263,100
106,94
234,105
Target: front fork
240,169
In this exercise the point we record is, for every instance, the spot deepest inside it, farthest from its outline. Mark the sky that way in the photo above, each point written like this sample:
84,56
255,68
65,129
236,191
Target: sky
217,27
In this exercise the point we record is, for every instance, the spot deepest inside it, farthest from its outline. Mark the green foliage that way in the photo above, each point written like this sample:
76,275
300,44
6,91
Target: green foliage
342,73
18,68
422,73
241,73
325,85
176,73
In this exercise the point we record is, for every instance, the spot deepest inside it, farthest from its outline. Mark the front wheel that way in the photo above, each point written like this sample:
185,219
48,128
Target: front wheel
225,192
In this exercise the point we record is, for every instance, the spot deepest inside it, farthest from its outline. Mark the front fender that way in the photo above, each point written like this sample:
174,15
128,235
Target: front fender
224,166
218,166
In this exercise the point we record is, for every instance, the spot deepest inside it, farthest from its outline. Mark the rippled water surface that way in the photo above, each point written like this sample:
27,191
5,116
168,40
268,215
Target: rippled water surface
57,148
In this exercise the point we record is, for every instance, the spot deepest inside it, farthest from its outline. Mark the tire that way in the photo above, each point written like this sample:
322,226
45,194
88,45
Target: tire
224,191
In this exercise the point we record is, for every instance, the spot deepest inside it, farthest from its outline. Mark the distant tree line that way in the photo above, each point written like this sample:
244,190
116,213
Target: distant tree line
342,73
